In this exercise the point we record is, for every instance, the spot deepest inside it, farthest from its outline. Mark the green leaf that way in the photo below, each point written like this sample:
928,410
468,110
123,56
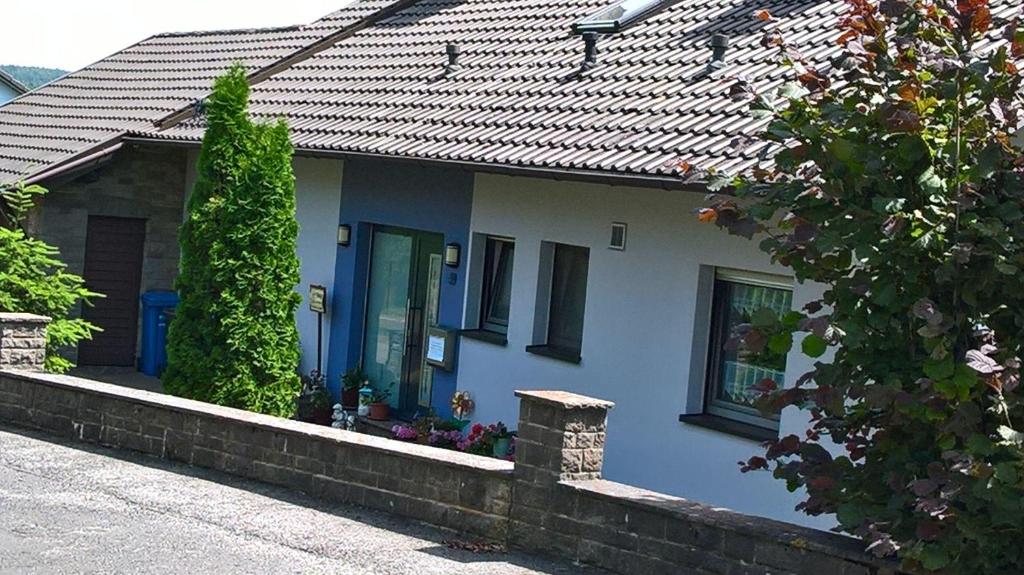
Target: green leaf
764,317
1005,267
843,150
979,444
780,343
850,514
934,557
1007,473
964,378
792,91
930,181
792,319
813,345
940,369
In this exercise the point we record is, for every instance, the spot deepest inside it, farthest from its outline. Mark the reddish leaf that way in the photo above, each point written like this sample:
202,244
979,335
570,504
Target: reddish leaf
707,215
981,20
1017,43
929,530
813,81
847,36
766,385
923,487
763,15
908,92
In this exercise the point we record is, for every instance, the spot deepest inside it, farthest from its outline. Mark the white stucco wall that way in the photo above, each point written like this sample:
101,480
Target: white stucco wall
638,330
318,201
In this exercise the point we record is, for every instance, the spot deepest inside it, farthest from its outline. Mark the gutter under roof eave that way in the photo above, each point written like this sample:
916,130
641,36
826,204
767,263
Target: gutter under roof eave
81,162
558,174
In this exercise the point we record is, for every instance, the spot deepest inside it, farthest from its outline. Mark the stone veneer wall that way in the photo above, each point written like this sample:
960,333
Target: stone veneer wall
551,501
22,341
144,183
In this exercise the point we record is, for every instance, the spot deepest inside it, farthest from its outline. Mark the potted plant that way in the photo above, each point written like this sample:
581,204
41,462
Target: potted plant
501,439
379,408
351,381
313,404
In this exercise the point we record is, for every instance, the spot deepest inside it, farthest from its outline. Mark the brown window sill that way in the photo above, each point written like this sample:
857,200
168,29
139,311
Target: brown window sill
730,426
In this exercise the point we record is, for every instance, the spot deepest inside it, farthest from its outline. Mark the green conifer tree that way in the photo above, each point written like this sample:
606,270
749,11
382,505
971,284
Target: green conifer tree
233,340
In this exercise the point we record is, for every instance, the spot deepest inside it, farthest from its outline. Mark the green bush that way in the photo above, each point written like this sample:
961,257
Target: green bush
34,280
899,187
233,340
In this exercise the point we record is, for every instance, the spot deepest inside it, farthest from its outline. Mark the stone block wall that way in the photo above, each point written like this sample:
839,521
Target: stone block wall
463,492
562,506
551,501
22,341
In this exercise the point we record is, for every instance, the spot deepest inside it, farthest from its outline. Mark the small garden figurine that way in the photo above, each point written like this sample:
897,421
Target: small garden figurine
342,419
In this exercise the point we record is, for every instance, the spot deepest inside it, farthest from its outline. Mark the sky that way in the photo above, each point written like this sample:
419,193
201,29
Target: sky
71,34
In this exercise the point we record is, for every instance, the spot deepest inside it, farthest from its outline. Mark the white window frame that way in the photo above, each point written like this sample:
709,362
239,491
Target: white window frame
712,357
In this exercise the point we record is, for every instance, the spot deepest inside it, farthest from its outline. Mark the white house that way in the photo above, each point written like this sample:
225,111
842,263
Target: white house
512,178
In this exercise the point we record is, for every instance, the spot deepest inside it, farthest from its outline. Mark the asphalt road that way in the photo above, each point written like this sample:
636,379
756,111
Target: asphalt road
69,508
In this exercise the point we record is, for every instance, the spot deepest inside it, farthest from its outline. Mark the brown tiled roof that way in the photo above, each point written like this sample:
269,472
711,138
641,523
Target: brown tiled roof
520,98
93,108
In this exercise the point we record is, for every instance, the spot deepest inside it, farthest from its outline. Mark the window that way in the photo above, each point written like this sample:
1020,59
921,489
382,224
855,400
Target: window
565,303
496,291
617,16
733,369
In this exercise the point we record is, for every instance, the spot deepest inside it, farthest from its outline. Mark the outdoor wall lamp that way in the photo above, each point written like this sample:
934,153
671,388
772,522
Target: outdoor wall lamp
451,255
344,235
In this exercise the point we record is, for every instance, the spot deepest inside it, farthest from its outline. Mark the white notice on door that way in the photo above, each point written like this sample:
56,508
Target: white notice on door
435,349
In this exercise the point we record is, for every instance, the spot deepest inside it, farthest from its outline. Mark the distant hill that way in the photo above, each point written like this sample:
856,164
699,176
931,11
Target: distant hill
31,76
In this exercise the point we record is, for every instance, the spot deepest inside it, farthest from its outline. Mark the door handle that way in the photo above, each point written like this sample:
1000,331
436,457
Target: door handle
415,317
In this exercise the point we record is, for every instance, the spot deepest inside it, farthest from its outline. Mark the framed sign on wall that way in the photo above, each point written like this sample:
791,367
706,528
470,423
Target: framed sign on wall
317,299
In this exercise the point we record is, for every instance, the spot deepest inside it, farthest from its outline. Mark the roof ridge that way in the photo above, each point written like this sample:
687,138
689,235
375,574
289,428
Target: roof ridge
308,51
197,33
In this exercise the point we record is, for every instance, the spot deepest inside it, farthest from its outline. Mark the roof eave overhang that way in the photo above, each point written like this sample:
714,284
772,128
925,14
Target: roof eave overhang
562,174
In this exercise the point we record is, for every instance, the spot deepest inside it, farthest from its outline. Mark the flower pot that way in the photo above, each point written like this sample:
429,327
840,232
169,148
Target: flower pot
379,411
501,446
322,416
350,398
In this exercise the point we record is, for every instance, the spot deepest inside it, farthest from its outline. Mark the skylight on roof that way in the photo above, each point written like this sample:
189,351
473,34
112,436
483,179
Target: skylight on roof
616,17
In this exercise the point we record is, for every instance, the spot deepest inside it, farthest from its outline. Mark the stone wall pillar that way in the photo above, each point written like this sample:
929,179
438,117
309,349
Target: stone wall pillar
561,437
22,341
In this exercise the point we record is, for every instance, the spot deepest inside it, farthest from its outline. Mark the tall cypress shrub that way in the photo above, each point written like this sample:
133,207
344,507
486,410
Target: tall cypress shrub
233,340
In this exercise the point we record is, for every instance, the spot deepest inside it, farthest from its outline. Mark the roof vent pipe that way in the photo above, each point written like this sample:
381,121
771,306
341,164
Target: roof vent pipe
453,52
719,45
589,50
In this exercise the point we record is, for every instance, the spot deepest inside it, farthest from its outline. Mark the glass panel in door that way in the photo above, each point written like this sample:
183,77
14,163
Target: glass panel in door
387,311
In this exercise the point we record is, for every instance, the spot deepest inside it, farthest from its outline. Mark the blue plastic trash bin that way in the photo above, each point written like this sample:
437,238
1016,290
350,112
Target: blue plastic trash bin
157,307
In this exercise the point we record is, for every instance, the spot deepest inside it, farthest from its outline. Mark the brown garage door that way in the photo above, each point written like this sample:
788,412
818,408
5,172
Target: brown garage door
113,267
